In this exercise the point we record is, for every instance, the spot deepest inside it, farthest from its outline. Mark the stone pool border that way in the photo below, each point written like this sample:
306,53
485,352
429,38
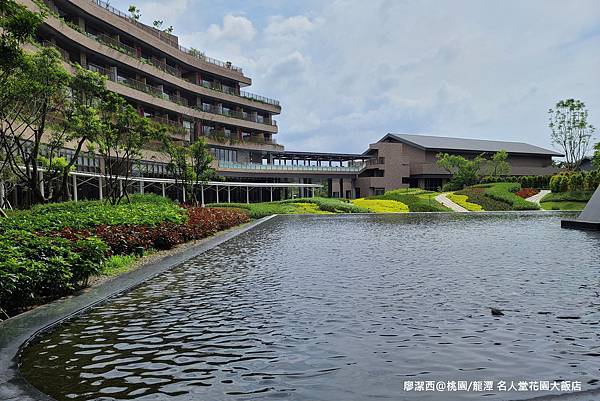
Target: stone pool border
17,331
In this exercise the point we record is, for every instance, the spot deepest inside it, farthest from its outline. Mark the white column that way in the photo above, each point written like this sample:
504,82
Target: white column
120,187
142,187
75,194
183,187
217,192
100,188
164,190
41,182
202,194
271,193
247,195
228,194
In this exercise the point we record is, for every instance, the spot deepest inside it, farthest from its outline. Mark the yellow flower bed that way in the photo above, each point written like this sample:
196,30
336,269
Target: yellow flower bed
381,205
461,200
309,208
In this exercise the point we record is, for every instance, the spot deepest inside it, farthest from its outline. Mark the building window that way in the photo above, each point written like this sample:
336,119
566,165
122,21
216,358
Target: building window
378,191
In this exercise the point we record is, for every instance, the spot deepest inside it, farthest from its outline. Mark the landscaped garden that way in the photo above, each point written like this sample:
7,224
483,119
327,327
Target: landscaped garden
52,250
492,197
407,200
571,191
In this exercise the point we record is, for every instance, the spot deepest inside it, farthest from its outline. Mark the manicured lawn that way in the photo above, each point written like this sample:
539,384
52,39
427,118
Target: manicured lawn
563,205
575,196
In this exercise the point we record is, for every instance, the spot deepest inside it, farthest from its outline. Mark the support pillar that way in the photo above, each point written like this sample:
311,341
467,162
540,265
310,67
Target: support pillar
202,195
100,188
164,190
228,194
75,194
217,191
247,195
183,192
41,182
271,193
120,187
142,187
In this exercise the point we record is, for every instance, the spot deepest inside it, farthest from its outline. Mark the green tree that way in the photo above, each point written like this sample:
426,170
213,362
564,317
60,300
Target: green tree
135,12
498,165
571,131
596,156
122,135
464,171
190,166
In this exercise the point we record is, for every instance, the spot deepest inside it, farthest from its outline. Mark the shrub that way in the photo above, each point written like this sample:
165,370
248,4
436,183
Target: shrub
381,205
461,200
527,192
332,205
143,210
415,200
35,269
576,196
476,195
505,192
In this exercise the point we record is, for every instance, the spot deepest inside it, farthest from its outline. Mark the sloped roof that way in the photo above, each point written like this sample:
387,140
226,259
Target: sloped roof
443,143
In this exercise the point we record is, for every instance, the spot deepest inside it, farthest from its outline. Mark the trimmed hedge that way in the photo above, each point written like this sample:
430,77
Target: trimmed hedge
527,181
575,196
462,200
381,205
575,181
413,200
477,196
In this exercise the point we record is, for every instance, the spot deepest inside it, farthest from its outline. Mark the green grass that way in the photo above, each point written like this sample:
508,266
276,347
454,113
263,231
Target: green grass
563,205
505,192
118,264
417,200
575,196
143,210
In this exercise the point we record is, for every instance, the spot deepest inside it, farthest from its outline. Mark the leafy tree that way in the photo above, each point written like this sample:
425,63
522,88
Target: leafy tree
571,131
464,171
596,156
498,164
123,133
190,166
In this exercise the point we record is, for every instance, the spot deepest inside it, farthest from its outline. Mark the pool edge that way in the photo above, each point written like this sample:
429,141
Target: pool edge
19,330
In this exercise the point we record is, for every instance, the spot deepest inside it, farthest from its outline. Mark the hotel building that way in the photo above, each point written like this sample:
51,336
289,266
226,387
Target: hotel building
200,97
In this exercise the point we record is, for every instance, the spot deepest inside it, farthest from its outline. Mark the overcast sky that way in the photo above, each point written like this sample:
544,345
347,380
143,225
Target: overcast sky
347,72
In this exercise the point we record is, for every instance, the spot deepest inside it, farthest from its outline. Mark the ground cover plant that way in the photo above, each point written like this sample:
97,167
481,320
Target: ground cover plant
477,196
417,200
314,205
52,250
505,192
462,200
381,205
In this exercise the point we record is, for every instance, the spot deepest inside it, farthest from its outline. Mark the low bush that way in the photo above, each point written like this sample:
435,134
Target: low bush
35,269
258,210
416,201
381,205
575,196
143,210
476,195
575,181
505,192
529,181
527,192
332,205
462,200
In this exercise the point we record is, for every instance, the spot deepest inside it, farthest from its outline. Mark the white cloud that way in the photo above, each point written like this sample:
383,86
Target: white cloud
234,28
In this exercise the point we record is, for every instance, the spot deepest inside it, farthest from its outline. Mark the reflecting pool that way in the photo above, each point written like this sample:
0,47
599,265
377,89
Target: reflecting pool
344,308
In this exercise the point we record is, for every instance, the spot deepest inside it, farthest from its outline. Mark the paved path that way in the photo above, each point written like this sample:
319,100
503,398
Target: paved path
449,204
538,197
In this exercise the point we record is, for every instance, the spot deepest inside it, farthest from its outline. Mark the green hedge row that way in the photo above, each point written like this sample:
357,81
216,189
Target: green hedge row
526,181
575,181
505,192
414,202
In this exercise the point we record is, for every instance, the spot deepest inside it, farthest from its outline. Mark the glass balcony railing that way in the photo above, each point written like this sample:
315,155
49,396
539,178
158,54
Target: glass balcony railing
284,167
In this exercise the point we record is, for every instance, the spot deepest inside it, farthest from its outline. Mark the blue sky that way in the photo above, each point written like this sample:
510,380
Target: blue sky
347,72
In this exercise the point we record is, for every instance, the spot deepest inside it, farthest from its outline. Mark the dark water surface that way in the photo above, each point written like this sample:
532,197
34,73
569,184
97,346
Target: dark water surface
344,308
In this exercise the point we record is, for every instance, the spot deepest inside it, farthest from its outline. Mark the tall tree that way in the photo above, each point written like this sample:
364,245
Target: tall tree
123,134
571,131
464,171
190,166
498,165
596,156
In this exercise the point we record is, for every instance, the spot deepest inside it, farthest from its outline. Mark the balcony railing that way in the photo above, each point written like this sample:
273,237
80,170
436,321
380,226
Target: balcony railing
208,108
283,167
167,38
161,65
